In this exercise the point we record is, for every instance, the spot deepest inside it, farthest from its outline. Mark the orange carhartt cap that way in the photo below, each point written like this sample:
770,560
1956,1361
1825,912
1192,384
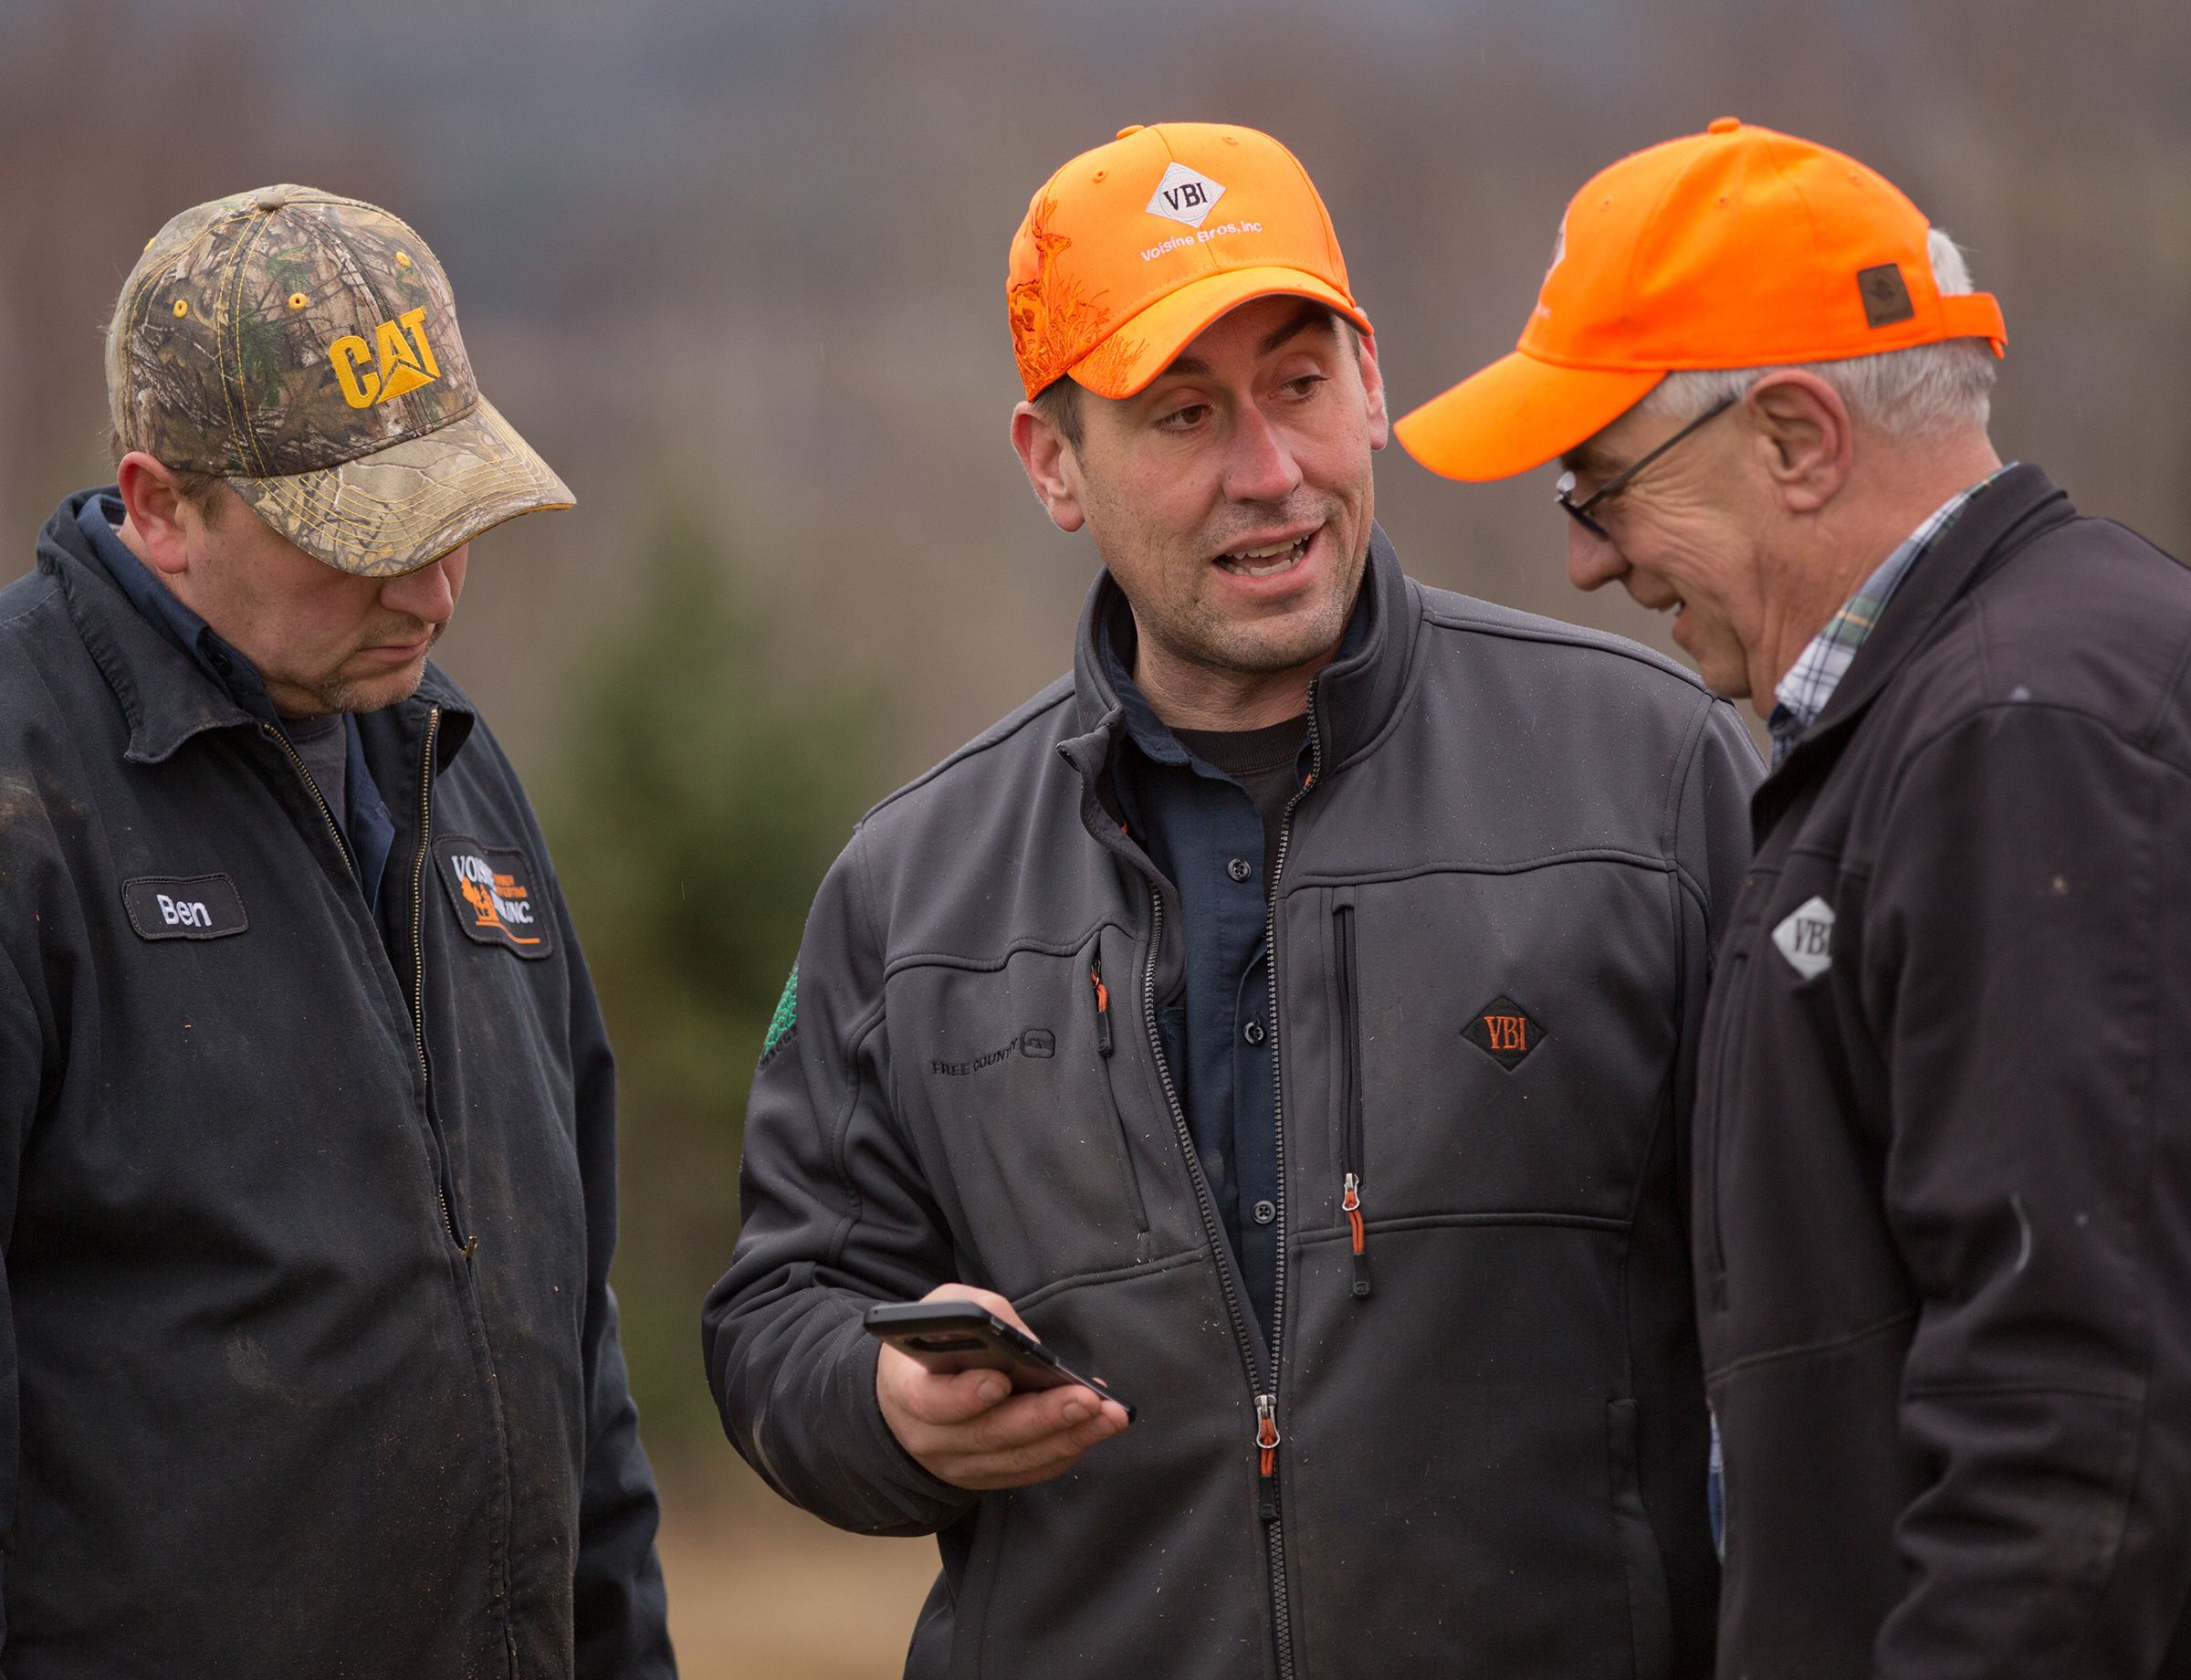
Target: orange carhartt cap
1736,248
1131,250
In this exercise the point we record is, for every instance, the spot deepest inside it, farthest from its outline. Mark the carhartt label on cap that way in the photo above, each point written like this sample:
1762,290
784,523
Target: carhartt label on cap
185,906
1886,299
1185,195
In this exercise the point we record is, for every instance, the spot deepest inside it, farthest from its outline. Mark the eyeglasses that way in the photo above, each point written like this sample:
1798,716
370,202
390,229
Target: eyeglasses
1580,510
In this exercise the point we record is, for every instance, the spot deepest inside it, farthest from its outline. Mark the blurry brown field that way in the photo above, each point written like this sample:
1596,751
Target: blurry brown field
757,1589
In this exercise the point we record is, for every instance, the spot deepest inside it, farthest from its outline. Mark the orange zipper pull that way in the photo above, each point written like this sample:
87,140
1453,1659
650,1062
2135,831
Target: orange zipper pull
1103,1010
1266,1441
1351,1201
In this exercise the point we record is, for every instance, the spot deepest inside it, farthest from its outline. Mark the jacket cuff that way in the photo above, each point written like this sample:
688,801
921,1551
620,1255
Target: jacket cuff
904,1481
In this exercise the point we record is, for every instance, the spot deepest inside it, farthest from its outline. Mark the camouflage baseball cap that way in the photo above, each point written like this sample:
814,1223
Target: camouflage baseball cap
304,347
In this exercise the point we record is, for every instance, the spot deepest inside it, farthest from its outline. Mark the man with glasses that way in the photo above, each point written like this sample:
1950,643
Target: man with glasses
1942,1204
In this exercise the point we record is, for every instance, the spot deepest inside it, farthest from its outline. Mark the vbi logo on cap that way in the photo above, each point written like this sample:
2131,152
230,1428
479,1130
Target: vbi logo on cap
1186,195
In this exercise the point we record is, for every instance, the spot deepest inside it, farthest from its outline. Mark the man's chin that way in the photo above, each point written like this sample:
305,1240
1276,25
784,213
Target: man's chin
1267,648
1265,643
373,693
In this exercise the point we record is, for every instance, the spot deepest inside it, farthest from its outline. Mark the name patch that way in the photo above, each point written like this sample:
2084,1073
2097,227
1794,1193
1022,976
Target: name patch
184,907
495,892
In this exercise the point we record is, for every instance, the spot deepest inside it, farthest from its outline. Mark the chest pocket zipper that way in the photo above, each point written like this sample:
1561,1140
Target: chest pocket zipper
1352,1163
1106,1044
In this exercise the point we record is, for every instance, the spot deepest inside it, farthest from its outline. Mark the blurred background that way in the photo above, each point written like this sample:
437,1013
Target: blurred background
736,267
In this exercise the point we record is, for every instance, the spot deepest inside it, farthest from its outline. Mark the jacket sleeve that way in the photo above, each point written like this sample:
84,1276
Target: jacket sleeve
619,1608
1676,1462
24,1065
2024,970
836,1217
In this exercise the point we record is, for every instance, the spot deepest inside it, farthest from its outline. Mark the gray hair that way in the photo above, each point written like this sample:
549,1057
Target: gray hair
1936,387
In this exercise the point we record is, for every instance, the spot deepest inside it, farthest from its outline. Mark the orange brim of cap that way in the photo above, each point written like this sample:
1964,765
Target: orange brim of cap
1146,344
1517,414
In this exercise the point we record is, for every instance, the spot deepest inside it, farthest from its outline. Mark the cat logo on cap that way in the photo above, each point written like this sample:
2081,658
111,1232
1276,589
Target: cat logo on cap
496,895
405,363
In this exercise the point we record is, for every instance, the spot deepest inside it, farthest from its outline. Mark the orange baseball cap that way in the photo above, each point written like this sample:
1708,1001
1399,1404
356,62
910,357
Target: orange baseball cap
1736,248
1131,250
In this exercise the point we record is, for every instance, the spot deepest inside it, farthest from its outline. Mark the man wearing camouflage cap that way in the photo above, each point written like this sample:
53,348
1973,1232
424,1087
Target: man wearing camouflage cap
308,1359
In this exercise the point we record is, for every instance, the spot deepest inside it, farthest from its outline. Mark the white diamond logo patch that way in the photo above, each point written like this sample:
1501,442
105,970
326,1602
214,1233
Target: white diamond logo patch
1185,195
1805,937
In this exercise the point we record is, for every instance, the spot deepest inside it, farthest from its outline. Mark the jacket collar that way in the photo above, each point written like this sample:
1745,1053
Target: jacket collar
2019,505
1351,700
165,697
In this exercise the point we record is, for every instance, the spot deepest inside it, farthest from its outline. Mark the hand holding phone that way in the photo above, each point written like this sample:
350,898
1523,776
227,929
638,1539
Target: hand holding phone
949,1336
969,1427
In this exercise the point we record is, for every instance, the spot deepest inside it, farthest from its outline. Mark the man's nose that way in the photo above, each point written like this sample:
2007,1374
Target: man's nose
1592,561
424,594
1261,467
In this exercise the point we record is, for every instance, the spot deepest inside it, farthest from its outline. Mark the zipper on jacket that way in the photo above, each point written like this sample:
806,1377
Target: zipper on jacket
418,1026
1350,1096
1104,1046
327,812
1214,1234
443,1187
1268,1449
1102,1011
1266,1446
1266,1437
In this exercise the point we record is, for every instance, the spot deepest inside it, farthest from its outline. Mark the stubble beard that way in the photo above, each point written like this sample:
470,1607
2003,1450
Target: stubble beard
1201,635
363,694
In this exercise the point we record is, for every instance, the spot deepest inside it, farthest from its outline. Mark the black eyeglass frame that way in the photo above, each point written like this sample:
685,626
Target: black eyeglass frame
1580,510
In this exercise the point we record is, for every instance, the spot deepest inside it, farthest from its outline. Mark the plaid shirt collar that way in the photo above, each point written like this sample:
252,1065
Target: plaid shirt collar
1803,693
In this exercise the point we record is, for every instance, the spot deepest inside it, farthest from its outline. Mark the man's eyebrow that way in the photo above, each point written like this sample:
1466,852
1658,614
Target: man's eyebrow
1586,460
1310,314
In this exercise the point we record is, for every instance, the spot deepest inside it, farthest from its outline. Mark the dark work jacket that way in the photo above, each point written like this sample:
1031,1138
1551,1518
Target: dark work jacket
1490,1456
311,1361
1943,1209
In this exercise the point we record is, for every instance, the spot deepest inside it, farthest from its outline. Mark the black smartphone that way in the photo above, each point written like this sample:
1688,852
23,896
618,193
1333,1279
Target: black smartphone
949,1337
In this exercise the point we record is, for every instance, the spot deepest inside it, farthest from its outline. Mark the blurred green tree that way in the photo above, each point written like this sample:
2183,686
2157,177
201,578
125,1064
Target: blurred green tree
703,780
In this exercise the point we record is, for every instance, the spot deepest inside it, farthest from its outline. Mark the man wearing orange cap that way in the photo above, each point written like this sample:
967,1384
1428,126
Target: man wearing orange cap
1943,1203
1288,1015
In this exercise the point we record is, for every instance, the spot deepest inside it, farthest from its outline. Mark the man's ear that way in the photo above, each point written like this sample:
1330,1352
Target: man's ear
163,519
1810,441
1053,467
1373,388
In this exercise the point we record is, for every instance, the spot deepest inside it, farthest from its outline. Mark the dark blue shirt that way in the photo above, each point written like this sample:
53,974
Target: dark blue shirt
367,825
1201,827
